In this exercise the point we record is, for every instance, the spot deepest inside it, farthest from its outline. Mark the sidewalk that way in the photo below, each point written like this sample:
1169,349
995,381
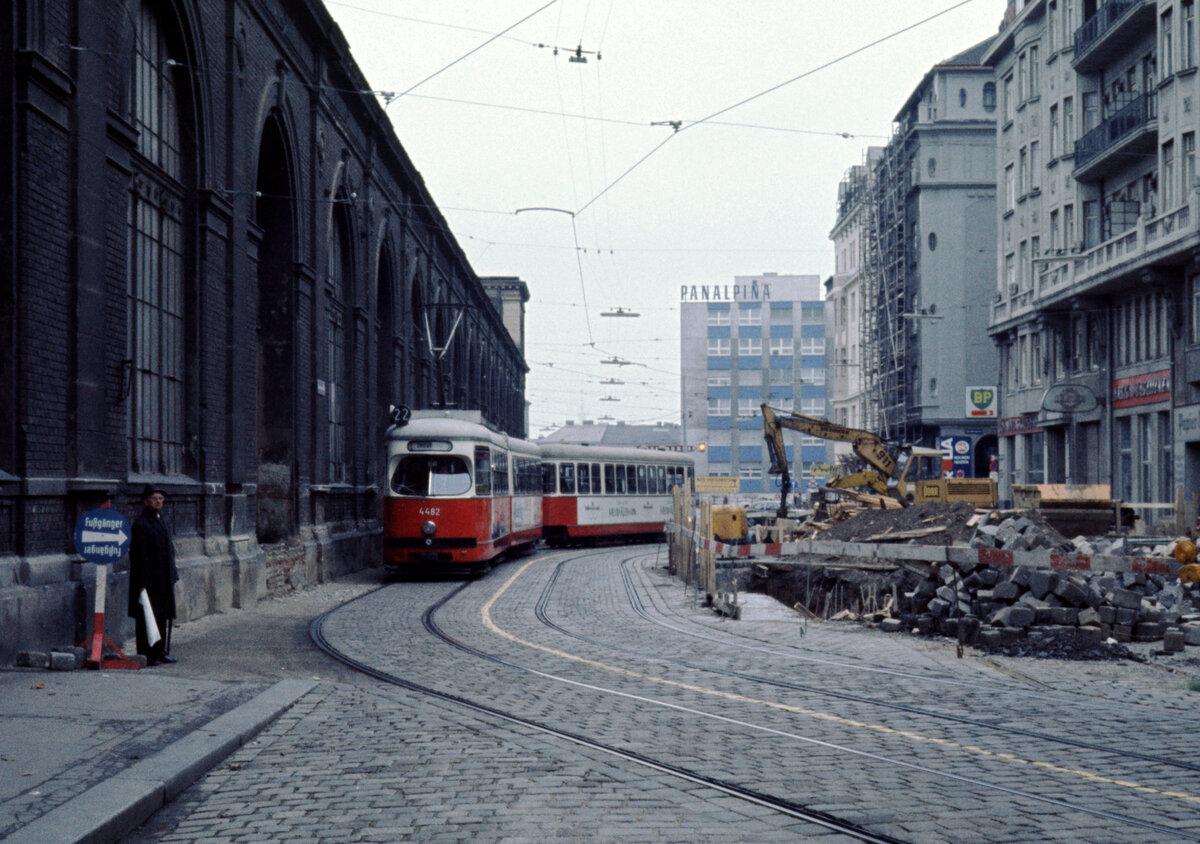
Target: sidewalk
86,756
89,755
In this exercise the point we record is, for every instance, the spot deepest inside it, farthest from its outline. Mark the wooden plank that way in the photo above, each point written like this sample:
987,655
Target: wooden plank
905,534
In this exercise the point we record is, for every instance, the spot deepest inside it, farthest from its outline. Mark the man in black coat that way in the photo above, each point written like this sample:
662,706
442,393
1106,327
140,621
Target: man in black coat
152,568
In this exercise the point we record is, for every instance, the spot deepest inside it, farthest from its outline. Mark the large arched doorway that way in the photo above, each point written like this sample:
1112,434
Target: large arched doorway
987,447
274,215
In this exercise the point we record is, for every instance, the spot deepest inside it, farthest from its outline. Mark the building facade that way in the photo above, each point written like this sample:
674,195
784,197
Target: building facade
1097,307
759,339
223,268
929,272
844,295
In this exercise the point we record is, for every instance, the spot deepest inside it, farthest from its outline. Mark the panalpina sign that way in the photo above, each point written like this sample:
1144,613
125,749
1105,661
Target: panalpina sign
1150,388
753,292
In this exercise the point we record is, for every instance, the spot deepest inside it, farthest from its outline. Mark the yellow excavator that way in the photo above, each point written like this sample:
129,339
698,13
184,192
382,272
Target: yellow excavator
917,480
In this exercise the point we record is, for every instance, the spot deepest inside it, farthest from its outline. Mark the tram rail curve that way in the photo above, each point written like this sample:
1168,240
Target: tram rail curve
782,805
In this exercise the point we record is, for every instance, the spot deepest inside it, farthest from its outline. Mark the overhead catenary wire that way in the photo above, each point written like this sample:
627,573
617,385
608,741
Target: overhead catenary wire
767,91
479,47
388,96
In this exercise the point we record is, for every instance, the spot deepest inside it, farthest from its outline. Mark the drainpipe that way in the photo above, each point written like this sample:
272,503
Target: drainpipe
1110,351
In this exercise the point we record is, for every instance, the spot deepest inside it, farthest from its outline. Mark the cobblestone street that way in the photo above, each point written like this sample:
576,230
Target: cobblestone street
892,733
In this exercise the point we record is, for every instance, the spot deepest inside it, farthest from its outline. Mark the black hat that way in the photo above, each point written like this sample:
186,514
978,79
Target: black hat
149,490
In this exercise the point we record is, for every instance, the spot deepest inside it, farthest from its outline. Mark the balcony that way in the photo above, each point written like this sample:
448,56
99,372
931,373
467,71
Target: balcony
1131,129
1110,31
1168,236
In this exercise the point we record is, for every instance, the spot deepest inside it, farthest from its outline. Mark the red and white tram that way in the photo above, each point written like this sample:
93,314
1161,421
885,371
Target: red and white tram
595,492
458,493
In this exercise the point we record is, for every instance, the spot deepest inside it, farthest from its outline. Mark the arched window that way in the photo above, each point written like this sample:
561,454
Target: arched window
156,256
989,96
335,345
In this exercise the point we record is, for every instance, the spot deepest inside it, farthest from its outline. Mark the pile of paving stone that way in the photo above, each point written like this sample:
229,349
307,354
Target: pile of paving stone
997,608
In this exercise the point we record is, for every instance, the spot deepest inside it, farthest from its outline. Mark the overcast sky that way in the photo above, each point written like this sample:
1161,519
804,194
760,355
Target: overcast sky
750,189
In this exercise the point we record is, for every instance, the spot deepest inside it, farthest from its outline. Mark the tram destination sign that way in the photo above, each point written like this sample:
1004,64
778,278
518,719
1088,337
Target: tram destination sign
102,536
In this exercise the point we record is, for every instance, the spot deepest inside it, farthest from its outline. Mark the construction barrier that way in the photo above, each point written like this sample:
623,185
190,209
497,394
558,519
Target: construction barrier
814,551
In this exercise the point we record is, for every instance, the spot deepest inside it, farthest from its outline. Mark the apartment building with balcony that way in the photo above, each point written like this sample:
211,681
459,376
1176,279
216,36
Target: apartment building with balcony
1095,311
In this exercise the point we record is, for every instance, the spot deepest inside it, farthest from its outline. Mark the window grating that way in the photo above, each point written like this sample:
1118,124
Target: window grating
156,262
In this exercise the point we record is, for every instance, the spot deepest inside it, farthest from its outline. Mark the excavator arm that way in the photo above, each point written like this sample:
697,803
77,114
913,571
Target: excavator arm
867,477
866,445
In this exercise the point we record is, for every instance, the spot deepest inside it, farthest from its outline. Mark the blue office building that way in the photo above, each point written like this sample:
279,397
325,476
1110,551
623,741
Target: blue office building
759,339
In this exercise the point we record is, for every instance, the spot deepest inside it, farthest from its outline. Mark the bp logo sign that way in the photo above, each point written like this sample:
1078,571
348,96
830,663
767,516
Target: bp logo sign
981,402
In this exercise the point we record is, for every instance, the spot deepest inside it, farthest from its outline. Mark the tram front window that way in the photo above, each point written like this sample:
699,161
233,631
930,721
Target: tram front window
426,474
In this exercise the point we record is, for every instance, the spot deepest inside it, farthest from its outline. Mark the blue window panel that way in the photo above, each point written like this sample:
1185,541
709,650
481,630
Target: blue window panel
751,331
719,423
719,454
754,392
719,331
809,361
718,306
746,485
750,453
812,453
812,331
790,451
750,306
781,306
719,393
719,363
781,331
781,392
785,361
811,308
752,424
750,363
812,391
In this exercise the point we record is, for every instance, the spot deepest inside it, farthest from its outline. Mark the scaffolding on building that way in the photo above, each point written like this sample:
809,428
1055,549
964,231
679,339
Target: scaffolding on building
889,276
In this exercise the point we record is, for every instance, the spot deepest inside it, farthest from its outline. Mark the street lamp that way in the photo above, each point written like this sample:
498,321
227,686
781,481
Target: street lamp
578,261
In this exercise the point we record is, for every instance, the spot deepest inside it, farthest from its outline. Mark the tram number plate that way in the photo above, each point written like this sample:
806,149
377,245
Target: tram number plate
430,511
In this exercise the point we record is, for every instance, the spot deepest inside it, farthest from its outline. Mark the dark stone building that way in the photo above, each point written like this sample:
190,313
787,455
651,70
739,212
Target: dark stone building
220,268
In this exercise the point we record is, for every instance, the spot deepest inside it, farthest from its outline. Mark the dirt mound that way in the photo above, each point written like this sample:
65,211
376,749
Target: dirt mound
1061,644
870,523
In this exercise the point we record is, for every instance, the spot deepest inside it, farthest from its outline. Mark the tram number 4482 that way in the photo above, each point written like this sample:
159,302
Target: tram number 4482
430,511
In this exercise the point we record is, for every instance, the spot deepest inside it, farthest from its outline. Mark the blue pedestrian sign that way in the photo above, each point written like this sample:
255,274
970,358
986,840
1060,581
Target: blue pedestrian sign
102,536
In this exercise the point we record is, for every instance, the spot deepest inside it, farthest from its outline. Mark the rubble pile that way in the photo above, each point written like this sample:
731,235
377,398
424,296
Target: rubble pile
1019,611
995,609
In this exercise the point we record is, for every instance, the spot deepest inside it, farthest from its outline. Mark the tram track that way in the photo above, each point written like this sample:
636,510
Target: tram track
790,808
540,613
779,805
639,609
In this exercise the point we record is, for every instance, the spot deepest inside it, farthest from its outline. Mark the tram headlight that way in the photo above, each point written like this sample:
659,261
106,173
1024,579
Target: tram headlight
429,528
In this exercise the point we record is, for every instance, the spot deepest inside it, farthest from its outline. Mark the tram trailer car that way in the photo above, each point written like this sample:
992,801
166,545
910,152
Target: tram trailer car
594,493
459,494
